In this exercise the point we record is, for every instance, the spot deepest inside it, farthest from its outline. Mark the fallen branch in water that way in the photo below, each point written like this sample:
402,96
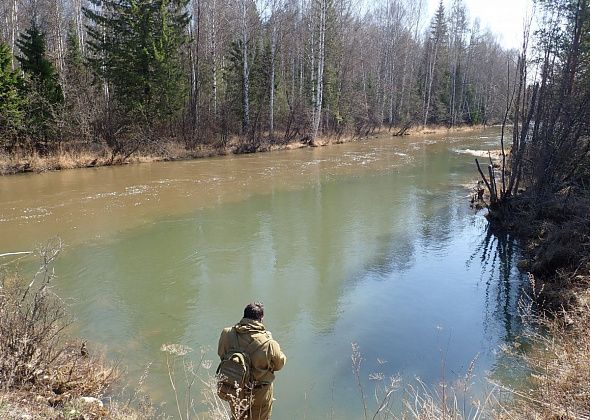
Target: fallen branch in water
10,254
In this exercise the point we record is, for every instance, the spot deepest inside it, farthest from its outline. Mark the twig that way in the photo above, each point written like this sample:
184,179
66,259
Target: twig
171,376
483,177
356,367
8,254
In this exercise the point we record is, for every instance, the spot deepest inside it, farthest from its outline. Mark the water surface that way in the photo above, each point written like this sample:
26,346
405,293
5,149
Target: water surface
370,242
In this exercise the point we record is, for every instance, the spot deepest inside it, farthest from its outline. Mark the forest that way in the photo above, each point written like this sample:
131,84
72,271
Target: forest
118,77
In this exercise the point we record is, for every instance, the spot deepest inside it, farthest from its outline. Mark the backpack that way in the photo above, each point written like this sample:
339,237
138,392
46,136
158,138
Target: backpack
233,372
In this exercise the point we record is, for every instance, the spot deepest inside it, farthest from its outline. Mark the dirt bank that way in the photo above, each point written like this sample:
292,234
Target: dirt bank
72,157
44,373
556,238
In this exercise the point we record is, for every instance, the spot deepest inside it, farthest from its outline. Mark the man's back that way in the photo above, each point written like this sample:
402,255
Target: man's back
266,357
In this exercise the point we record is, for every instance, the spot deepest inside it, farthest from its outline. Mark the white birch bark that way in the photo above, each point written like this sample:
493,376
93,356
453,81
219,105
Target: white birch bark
79,21
245,70
14,28
271,105
57,34
319,92
211,16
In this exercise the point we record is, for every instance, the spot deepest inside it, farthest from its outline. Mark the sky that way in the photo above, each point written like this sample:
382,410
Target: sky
503,17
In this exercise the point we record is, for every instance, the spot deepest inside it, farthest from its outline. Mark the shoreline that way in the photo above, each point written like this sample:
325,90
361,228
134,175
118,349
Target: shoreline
555,239
20,163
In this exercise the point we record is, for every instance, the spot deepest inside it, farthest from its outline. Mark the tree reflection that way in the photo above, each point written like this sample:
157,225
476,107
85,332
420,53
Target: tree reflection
498,253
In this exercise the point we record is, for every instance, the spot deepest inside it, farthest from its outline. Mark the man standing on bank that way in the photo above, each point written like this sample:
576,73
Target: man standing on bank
265,356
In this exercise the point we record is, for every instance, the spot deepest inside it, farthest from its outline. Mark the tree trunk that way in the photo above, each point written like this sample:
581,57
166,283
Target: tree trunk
317,113
271,105
245,71
213,51
431,67
13,29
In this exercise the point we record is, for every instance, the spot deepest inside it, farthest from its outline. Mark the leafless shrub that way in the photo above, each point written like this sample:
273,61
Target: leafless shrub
35,358
558,359
188,403
32,319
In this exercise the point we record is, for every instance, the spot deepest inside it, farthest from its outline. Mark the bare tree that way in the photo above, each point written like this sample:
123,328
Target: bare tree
322,7
245,67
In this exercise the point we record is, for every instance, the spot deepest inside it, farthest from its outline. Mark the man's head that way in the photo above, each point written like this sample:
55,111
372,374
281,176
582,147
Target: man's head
254,311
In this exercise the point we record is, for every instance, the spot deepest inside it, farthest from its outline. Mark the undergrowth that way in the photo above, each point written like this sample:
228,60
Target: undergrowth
555,231
44,373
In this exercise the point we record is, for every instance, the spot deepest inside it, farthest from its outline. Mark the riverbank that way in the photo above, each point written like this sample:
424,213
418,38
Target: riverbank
389,218
44,371
74,157
555,234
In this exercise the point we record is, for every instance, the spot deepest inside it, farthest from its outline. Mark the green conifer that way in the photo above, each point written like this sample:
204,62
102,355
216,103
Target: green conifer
43,88
12,102
137,49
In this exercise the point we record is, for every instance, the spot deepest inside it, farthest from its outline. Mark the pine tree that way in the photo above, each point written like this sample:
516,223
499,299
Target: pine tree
12,102
43,88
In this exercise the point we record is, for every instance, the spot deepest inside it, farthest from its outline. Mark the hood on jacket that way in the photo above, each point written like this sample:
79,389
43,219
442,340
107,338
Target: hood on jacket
250,326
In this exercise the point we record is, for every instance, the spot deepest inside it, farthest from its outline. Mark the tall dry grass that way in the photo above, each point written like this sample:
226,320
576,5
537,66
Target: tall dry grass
392,399
194,387
43,372
558,360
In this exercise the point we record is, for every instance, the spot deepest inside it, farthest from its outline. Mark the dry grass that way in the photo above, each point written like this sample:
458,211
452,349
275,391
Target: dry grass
419,402
65,159
442,129
559,362
451,401
559,365
194,386
42,373
556,233
84,156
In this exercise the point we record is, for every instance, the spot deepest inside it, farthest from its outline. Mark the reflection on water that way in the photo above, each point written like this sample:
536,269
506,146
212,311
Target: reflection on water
370,242
498,254
506,290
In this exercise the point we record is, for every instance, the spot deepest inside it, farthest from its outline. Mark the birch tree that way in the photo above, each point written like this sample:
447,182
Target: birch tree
245,66
318,72
268,70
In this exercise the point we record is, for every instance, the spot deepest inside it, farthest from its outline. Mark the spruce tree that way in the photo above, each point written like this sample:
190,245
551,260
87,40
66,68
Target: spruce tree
74,60
436,75
43,88
137,49
12,102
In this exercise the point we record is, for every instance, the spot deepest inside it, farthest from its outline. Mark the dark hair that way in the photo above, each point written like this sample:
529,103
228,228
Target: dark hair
254,311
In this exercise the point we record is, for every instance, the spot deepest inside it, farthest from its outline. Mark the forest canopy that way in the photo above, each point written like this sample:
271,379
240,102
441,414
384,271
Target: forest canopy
131,74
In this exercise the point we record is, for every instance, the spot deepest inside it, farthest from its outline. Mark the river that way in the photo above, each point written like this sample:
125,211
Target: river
371,242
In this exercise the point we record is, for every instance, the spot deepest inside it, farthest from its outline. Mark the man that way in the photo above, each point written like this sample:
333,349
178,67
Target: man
266,359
